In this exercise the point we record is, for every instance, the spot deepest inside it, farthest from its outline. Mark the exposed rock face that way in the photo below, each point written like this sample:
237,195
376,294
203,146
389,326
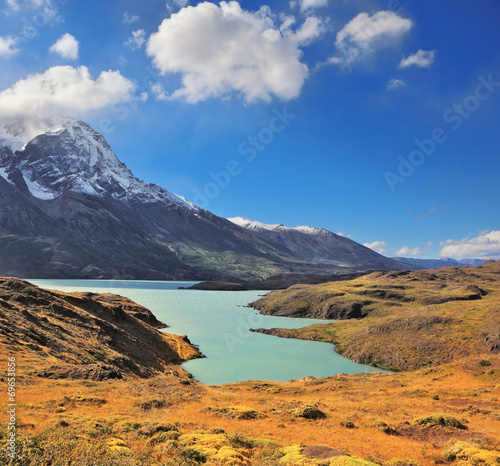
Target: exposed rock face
85,335
95,372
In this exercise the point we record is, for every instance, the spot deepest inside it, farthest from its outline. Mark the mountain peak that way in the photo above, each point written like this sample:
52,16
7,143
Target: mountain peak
68,155
16,131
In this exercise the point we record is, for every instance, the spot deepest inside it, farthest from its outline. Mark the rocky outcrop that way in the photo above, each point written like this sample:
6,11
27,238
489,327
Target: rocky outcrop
85,335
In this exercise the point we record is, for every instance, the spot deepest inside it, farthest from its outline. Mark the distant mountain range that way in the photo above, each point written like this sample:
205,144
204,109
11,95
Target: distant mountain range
319,245
436,263
70,209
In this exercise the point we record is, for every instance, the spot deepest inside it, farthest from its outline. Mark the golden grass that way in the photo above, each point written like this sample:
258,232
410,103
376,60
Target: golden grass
209,420
445,412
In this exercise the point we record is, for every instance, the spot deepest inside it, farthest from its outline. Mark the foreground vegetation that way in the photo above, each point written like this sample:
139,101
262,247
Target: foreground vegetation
446,411
443,415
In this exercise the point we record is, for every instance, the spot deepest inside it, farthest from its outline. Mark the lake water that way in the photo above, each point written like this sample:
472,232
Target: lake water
219,322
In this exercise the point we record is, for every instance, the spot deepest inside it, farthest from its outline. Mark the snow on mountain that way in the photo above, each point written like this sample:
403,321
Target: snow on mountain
57,154
255,226
16,131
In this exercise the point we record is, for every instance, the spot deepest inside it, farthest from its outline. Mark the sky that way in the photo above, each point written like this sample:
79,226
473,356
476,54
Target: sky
377,120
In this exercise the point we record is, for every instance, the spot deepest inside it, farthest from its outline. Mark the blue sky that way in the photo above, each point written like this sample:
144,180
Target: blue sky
302,112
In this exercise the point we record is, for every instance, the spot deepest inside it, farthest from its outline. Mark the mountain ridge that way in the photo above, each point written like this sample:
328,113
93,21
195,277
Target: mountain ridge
442,262
320,245
69,208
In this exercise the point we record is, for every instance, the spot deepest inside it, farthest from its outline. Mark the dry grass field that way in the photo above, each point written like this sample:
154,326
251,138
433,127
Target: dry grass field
442,407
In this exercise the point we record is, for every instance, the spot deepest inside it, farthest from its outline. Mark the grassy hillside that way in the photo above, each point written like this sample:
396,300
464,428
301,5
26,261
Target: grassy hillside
400,320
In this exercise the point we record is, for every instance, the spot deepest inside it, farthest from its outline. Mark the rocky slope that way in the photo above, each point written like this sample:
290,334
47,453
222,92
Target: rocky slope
399,320
322,246
84,335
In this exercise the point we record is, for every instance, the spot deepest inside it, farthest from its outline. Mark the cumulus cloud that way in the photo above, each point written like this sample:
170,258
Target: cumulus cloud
310,30
136,40
422,59
395,83
310,4
364,34
407,251
7,48
484,246
220,50
65,90
377,246
130,19
67,47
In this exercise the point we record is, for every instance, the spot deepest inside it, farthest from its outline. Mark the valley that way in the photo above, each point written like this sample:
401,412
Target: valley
440,407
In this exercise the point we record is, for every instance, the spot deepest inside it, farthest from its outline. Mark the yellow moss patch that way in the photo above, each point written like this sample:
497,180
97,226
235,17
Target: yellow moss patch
118,445
350,461
468,454
229,456
236,412
293,456
204,442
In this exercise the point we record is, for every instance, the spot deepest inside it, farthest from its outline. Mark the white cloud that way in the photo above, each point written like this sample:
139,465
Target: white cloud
178,3
219,50
310,30
65,90
130,19
16,5
310,4
13,5
422,58
364,34
7,48
48,10
395,83
484,246
340,233
159,91
66,46
137,40
377,246
407,251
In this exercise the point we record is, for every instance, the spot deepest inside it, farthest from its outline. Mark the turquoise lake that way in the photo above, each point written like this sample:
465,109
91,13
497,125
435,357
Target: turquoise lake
219,322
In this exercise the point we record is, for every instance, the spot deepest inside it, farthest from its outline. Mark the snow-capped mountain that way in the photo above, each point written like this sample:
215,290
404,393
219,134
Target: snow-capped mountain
18,130
318,245
70,155
69,208
253,225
